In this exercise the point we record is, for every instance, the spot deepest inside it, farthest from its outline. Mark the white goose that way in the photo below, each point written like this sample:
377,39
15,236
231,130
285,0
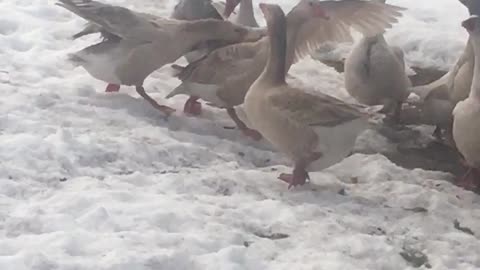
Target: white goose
440,101
466,120
224,76
440,97
375,74
138,44
315,131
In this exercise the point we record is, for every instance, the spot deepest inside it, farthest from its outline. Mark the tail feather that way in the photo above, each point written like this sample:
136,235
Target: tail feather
75,59
181,89
103,16
90,28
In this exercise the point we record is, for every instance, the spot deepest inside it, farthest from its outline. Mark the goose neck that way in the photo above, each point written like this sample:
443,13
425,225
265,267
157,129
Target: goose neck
275,70
475,43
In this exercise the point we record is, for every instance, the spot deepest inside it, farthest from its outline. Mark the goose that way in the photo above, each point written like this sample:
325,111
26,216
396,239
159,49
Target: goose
438,98
245,14
466,122
138,44
437,111
313,130
224,76
375,74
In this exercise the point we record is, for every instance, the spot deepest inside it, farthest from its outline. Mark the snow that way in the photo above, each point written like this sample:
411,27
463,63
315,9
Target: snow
91,180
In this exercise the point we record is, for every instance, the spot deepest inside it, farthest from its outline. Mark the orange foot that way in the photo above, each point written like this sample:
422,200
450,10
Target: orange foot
112,88
192,106
252,133
298,177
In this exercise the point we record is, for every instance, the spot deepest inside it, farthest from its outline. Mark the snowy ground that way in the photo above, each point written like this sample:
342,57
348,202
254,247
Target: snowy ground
90,180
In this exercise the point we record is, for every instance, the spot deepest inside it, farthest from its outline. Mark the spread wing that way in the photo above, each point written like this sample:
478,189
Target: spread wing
367,17
116,20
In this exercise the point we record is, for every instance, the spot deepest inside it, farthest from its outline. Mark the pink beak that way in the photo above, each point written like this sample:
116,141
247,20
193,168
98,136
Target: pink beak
320,12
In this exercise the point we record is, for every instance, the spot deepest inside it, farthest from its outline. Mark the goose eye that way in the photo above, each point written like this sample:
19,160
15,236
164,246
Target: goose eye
310,3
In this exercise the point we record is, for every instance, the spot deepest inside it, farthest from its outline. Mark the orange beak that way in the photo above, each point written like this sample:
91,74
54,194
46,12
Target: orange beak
320,12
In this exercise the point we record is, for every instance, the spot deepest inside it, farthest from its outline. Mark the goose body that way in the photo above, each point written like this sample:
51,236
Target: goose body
466,121
375,74
315,131
298,123
231,70
138,44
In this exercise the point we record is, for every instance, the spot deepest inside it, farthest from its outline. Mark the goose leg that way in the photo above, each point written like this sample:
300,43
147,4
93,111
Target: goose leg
242,127
192,106
397,112
164,109
298,177
111,87
470,180
437,133
393,110
300,174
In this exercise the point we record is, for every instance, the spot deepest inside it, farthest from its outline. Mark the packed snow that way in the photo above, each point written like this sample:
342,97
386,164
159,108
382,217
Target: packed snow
94,180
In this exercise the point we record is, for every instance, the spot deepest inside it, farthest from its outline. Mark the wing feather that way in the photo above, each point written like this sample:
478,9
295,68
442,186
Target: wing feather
368,17
313,109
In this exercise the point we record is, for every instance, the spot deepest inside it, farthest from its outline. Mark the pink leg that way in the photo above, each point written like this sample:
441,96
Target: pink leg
112,88
164,109
192,106
470,180
242,127
299,175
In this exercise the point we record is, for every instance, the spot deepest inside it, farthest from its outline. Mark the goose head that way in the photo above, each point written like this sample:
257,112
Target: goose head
275,19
